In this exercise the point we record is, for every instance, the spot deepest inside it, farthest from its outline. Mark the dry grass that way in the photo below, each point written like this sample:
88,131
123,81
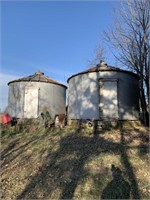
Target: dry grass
74,164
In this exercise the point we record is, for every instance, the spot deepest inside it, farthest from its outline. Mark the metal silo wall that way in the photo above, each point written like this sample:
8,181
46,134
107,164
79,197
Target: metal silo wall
51,98
16,99
84,98
128,94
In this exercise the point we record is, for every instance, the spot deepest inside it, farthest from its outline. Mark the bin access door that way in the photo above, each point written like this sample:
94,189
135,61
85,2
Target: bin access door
31,103
108,99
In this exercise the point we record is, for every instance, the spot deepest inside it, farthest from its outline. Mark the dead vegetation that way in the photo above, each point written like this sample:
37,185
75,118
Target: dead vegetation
72,163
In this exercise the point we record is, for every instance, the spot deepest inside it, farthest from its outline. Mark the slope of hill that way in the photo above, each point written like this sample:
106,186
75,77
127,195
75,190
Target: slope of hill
38,163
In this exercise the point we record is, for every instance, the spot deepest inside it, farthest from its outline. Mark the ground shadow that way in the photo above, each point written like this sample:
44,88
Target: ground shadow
118,188
14,149
128,166
65,168
10,148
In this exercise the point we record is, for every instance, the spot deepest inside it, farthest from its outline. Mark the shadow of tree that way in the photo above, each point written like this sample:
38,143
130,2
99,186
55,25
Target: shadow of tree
64,168
9,149
15,150
129,169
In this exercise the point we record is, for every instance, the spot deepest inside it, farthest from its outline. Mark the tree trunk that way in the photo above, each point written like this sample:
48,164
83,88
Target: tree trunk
143,104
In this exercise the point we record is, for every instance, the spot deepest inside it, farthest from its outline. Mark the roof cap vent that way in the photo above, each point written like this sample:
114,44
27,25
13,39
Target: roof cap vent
39,73
102,62
102,65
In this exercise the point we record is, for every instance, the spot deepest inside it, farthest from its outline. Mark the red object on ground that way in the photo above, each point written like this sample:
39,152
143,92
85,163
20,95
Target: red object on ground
6,118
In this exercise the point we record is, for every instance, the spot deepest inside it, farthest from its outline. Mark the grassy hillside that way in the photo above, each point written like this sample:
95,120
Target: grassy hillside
38,163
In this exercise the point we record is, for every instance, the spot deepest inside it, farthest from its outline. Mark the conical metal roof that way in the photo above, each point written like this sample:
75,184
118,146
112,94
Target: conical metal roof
103,67
37,77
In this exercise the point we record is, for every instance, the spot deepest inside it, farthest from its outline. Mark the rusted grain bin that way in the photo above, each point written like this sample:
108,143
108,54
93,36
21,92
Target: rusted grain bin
36,94
103,92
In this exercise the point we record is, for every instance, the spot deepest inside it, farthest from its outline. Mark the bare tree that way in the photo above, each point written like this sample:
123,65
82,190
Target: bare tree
130,40
99,55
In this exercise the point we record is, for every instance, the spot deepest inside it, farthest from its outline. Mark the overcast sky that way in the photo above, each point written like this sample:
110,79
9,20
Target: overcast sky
57,37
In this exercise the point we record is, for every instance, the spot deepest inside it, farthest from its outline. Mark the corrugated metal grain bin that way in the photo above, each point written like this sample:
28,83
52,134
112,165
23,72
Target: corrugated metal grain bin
103,92
35,94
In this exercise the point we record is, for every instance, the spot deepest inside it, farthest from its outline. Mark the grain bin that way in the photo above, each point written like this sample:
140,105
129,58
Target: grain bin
103,92
30,96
